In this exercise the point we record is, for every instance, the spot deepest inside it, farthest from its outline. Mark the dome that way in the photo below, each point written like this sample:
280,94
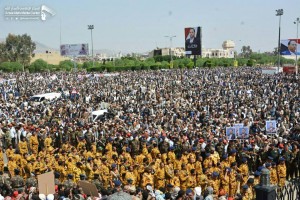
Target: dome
228,44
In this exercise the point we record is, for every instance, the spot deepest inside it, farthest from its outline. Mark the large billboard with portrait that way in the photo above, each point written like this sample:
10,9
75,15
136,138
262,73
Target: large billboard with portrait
290,47
193,40
74,49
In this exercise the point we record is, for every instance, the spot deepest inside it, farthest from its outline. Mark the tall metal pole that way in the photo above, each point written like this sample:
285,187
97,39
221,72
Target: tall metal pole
91,27
59,32
171,50
171,37
297,22
279,13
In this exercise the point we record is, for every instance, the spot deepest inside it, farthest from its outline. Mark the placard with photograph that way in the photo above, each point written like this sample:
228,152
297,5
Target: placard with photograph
271,127
243,133
231,133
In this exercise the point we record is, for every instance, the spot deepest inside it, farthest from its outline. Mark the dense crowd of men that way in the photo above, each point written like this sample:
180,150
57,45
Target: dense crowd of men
163,137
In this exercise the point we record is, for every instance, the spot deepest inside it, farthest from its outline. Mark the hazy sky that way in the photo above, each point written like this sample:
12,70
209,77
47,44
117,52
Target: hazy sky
140,25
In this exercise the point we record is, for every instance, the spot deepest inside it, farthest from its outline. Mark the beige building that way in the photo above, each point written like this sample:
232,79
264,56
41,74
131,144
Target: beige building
177,51
227,51
52,57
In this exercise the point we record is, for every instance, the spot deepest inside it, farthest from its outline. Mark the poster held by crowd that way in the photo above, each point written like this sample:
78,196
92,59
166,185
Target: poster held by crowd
46,183
271,127
231,133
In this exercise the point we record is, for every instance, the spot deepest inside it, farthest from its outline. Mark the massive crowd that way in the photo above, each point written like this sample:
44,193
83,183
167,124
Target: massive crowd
164,136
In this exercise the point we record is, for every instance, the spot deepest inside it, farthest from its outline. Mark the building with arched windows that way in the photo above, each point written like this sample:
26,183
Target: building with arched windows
227,51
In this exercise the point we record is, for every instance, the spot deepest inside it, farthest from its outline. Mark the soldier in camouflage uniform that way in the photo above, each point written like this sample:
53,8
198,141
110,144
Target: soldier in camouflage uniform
135,146
69,183
4,182
56,178
31,182
97,182
82,177
17,182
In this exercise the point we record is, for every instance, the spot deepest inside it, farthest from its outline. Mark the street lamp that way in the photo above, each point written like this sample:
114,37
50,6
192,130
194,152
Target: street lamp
279,12
91,27
297,23
171,37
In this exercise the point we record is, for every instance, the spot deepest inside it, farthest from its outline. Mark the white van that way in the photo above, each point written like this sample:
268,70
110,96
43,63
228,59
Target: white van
98,113
46,96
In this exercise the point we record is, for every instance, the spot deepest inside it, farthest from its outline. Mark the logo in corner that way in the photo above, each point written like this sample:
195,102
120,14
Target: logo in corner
45,12
28,13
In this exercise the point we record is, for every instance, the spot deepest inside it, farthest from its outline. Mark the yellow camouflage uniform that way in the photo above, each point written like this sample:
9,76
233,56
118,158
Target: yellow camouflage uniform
225,180
169,171
247,195
34,144
131,175
273,176
233,185
202,180
23,147
281,170
160,178
183,175
191,181
1,161
175,181
147,178
244,170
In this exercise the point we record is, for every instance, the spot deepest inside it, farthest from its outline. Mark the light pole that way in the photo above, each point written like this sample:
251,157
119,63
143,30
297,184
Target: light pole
279,12
297,23
91,27
171,37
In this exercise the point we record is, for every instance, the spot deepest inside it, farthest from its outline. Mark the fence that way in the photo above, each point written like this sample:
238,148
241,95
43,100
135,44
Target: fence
291,190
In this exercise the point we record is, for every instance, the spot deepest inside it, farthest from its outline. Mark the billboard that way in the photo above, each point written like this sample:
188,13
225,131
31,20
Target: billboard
290,47
289,69
269,70
193,40
74,49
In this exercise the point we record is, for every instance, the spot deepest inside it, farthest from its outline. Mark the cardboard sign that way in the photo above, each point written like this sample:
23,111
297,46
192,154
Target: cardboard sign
46,183
88,188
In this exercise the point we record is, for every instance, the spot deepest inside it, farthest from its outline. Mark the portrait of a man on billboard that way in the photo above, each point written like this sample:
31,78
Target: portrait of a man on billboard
193,41
290,47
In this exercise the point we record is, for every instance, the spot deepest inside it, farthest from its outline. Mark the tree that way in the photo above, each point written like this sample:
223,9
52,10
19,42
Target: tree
11,66
38,66
17,48
275,52
246,52
66,65
87,64
250,63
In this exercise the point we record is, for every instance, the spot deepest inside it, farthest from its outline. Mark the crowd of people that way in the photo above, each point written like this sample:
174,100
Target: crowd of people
163,136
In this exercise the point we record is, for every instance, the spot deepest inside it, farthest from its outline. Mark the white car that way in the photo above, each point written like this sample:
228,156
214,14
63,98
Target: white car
37,99
98,113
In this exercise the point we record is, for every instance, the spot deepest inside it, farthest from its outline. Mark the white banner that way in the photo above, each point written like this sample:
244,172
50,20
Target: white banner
74,49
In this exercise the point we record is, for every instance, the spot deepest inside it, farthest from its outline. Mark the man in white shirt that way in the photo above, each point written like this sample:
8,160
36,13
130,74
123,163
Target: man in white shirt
13,134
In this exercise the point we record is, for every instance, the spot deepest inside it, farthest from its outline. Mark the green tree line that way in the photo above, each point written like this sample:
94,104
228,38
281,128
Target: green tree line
17,51
132,64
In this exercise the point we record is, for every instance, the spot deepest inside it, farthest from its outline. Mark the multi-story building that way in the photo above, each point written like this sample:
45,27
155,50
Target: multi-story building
227,51
176,51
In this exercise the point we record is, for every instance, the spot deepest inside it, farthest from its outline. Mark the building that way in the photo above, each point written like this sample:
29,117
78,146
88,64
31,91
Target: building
51,57
227,51
177,51
217,53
